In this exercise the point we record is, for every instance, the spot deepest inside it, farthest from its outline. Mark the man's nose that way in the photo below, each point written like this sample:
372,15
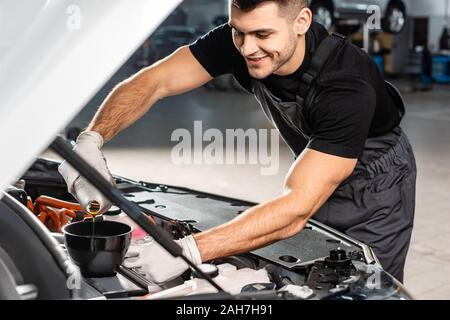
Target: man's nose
248,46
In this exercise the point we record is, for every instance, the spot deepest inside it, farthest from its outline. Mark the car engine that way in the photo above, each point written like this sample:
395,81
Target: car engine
318,263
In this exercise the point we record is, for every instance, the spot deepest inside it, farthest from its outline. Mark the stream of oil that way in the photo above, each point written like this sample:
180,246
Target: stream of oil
93,232
93,210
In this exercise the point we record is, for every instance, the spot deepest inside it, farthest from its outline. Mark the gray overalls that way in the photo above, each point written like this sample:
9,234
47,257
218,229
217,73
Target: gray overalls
375,205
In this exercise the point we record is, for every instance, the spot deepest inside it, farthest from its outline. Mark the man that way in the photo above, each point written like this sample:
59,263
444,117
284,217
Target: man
355,169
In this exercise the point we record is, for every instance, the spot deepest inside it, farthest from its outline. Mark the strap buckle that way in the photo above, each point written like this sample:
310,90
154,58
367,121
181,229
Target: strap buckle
307,78
299,100
338,35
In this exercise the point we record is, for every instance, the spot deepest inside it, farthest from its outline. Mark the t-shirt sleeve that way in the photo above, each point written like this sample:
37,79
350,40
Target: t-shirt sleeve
341,118
214,50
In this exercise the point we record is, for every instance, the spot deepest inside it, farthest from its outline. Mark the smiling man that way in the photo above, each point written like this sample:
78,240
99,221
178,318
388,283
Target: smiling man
267,48
354,168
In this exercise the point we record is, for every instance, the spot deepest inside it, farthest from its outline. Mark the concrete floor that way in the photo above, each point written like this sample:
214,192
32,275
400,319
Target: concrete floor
143,152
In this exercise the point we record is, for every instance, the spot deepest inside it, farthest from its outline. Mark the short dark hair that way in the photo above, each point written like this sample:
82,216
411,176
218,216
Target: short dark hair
247,5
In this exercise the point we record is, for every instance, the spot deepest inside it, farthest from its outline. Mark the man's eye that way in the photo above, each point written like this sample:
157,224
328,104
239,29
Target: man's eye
262,35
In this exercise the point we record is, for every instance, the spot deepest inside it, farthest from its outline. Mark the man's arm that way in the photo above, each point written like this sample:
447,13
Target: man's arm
310,182
132,98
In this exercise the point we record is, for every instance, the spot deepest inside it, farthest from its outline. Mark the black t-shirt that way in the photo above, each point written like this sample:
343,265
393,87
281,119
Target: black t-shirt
352,102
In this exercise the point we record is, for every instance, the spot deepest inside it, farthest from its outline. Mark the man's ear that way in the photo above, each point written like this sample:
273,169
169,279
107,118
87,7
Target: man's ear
303,21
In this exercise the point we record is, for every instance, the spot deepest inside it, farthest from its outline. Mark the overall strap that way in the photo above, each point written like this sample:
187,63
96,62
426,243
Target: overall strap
325,50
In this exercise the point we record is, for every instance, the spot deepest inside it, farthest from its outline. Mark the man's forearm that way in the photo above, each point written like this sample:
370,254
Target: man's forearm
310,182
129,101
258,226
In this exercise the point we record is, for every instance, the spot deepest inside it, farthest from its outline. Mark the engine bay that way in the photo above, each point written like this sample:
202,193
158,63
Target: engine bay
317,263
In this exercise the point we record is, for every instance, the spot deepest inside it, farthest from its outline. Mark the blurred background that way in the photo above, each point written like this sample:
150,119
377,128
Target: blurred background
411,48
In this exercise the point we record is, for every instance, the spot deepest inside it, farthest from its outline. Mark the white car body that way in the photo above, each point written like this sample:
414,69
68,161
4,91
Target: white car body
54,56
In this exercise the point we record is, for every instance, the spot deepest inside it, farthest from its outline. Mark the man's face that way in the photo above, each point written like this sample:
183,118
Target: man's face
265,37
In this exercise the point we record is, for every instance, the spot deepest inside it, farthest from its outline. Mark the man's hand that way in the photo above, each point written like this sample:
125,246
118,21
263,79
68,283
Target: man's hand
156,263
88,147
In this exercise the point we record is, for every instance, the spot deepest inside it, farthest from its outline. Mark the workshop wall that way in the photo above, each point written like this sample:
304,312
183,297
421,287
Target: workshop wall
437,11
202,12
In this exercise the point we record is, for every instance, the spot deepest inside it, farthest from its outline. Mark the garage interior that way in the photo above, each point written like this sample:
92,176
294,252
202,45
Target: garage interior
143,151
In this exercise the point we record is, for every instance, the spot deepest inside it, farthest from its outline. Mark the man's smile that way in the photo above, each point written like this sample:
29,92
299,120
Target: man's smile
254,61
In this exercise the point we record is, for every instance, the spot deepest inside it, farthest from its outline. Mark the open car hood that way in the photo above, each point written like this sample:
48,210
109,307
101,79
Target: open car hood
54,56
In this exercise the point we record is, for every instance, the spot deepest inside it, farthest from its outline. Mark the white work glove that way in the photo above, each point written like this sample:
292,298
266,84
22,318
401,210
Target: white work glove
88,147
158,265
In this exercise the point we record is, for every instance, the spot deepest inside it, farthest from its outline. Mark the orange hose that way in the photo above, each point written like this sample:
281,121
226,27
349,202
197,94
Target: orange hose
56,203
53,216
42,216
65,215
70,213
30,204
43,209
